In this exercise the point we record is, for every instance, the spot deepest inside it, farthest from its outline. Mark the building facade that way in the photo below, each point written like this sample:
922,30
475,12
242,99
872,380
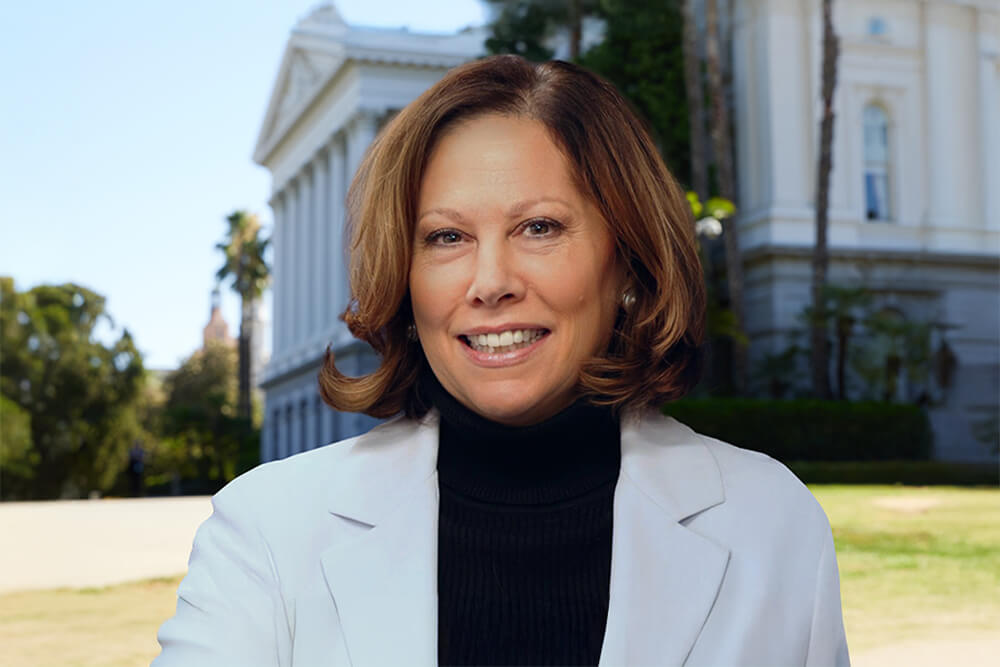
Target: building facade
336,86
915,190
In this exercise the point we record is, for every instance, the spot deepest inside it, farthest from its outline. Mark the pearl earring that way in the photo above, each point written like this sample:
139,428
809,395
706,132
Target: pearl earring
628,300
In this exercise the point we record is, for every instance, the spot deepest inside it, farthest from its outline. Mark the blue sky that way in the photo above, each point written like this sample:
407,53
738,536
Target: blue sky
125,137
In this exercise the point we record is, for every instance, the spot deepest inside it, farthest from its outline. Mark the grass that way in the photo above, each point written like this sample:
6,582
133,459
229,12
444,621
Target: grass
927,567
87,627
916,562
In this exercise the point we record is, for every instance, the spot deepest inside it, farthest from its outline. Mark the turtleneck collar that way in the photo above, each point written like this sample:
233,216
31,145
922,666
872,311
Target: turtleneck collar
563,457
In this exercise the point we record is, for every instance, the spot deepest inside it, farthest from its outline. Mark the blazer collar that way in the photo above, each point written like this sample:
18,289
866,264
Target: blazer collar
670,463
664,578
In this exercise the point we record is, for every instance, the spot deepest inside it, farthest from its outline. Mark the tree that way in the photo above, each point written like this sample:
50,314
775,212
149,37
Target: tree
245,265
723,152
78,396
820,355
200,424
695,102
520,28
523,26
642,55
17,456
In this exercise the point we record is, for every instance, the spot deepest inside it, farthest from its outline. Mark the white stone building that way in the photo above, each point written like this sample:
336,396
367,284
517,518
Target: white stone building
915,189
336,86
915,201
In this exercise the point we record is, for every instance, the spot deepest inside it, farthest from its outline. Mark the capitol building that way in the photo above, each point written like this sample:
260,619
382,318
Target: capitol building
915,188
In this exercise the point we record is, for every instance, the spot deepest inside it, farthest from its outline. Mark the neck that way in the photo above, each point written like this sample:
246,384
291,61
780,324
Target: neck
564,456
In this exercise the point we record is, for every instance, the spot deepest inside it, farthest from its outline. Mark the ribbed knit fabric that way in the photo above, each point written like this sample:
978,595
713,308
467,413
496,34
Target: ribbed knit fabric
524,538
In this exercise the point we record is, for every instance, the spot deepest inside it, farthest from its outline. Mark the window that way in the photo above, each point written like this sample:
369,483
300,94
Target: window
877,26
320,437
876,138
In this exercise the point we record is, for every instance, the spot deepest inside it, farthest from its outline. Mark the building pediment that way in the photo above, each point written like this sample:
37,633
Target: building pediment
303,73
322,44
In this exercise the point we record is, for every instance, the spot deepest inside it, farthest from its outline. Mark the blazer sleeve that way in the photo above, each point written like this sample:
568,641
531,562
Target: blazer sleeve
827,641
228,606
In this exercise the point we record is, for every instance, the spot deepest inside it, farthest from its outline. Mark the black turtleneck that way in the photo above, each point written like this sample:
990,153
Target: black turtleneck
524,537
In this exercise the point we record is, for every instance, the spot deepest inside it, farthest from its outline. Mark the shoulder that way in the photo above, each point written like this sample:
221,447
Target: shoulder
305,480
755,491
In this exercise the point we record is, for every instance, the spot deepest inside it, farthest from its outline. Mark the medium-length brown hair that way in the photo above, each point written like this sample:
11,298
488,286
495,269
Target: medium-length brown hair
653,354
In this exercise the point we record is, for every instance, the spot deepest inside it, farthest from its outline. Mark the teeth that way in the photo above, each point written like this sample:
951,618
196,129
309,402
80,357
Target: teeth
505,341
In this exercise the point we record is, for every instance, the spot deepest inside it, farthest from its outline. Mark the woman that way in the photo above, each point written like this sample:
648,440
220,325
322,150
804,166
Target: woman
524,265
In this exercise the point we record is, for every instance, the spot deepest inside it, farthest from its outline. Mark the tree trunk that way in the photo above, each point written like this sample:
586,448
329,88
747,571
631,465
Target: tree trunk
695,100
722,148
845,325
575,30
243,404
821,259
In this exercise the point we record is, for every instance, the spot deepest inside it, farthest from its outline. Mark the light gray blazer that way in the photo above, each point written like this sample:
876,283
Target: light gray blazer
720,556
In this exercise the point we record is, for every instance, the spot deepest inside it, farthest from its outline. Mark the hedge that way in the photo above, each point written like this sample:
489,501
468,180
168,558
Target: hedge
910,473
811,430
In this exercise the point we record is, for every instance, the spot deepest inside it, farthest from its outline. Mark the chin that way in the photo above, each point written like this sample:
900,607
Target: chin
523,411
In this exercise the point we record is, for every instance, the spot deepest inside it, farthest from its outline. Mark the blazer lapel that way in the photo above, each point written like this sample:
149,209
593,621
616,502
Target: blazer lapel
664,576
384,581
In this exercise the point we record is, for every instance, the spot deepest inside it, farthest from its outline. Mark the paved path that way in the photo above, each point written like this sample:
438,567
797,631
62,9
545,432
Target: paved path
80,543
971,652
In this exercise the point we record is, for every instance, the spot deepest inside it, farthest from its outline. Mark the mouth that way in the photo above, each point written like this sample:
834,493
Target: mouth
502,342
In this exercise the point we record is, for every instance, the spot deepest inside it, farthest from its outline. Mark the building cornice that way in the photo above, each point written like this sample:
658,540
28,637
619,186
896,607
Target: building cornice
984,261
321,47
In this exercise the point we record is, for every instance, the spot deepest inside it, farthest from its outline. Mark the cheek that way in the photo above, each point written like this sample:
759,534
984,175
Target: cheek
580,288
433,294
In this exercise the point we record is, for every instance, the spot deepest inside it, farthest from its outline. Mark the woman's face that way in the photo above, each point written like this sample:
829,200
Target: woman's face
514,281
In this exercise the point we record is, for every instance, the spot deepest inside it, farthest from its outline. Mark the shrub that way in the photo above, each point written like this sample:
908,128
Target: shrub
811,430
910,473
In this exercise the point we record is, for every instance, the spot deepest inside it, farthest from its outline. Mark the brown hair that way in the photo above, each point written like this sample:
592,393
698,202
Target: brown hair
653,355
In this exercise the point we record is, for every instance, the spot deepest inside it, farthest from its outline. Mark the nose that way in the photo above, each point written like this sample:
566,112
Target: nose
495,279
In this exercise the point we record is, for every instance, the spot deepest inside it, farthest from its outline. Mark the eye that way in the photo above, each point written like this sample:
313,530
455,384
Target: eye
443,237
541,227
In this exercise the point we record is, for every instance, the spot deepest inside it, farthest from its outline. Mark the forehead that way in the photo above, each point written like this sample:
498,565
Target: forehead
494,157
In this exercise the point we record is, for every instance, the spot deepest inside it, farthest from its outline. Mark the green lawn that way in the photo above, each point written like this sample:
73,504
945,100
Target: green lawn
915,563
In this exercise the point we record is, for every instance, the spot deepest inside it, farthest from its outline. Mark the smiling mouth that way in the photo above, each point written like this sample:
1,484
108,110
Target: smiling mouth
504,341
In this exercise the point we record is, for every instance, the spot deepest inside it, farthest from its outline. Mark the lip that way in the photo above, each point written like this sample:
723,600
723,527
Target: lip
501,328
502,359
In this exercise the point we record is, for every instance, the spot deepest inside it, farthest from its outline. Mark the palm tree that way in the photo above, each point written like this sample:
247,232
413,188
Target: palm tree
722,148
244,250
821,257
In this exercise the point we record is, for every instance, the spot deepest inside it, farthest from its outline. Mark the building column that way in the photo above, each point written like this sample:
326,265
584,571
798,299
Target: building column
309,422
360,134
947,129
295,444
321,222
267,435
337,241
278,243
287,428
302,258
989,116
290,242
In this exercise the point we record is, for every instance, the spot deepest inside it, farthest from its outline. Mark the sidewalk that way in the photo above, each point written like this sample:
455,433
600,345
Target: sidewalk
81,543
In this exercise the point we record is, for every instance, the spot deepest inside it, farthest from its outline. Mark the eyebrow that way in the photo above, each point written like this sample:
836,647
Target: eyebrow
515,211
